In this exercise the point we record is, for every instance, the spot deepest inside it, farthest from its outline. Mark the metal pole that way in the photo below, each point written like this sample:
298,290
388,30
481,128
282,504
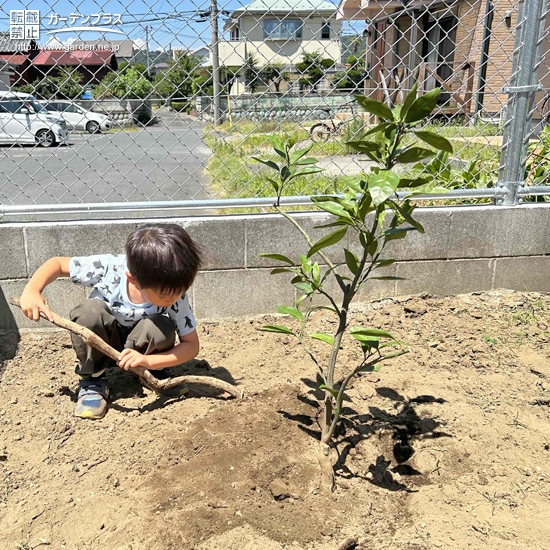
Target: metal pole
215,60
519,118
147,49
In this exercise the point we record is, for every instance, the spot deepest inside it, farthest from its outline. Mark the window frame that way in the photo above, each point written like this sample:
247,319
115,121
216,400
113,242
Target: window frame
325,25
278,25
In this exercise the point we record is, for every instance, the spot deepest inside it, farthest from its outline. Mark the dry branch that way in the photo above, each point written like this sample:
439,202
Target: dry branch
157,385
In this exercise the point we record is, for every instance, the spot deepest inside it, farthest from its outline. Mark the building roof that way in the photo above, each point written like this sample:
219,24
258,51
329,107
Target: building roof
125,47
73,57
9,45
13,59
288,6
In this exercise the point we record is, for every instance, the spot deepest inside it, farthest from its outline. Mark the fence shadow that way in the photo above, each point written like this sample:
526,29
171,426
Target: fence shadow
9,333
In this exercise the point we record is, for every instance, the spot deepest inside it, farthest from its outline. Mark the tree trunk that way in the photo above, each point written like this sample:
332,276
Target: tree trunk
325,451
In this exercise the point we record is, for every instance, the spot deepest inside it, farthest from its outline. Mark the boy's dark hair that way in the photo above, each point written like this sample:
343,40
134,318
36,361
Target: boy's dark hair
163,257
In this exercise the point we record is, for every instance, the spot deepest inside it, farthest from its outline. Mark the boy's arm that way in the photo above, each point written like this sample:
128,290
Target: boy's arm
187,349
32,301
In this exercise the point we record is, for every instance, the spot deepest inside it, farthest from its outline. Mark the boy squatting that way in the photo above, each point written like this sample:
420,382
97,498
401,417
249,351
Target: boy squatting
137,305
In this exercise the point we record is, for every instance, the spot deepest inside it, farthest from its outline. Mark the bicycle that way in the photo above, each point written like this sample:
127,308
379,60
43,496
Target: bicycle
321,131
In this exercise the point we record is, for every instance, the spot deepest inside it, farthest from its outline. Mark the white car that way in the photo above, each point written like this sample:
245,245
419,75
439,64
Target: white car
77,117
25,121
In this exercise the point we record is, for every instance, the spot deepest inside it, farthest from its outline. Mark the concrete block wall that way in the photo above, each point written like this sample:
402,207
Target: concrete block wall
464,249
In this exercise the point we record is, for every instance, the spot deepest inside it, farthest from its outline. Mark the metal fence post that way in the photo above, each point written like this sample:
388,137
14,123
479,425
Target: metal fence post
521,91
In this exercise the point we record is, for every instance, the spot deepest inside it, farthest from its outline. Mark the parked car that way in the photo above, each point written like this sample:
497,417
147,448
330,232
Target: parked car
79,118
23,120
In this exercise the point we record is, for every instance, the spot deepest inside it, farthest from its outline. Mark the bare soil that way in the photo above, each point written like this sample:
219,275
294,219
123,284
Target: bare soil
446,447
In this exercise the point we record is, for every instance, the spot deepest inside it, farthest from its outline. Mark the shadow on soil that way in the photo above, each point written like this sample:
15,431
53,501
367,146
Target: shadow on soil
124,385
9,333
397,431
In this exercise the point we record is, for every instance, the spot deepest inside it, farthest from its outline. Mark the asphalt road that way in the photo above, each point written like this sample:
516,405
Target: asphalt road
165,161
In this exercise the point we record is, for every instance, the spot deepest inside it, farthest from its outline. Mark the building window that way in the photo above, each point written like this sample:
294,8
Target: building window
325,31
235,33
289,29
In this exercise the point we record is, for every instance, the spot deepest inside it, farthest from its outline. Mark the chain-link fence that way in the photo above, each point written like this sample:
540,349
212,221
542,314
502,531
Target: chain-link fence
123,107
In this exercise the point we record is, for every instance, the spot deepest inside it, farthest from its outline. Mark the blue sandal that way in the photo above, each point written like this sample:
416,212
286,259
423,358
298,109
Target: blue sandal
92,398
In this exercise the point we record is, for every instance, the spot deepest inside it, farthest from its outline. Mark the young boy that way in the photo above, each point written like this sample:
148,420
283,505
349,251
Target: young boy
137,305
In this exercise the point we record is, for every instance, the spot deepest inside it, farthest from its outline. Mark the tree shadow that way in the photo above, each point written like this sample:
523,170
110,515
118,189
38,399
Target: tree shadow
403,427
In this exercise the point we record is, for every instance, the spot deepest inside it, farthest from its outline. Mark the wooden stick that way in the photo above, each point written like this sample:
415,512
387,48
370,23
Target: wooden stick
96,342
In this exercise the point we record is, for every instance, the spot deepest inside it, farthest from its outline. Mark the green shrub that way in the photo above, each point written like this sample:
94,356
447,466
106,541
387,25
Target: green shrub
180,106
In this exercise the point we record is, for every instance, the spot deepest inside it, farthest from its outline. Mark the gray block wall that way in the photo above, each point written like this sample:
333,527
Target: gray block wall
464,249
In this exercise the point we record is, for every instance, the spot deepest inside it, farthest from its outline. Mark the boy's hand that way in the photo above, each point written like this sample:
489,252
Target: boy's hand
32,303
130,358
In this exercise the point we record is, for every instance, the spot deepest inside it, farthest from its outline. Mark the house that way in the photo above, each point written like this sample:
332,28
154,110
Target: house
200,53
123,49
93,65
16,56
279,32
5,76
465,46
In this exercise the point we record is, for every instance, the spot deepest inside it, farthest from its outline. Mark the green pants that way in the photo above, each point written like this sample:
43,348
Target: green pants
153,334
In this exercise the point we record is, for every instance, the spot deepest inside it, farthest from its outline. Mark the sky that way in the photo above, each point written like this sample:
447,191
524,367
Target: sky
170,24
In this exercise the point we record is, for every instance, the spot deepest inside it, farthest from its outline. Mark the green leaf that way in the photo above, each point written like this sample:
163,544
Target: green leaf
300,299
328,240
297,155
379,128
316,274
305,262
277,270
435,140
323,336
375,332
413,182
332,391
331,207
279,257
304,287
397,233
368,343
289,310
277,328
382,185
414,154
278,146
384,263
374,107
409,100
303,162
405,212
423,106
275,184
270,163
364,146
352,261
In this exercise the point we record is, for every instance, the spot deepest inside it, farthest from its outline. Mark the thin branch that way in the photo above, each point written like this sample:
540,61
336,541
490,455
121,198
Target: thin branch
305,235
96,342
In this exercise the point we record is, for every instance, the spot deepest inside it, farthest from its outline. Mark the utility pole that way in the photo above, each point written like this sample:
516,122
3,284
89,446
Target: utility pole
147,48
215,61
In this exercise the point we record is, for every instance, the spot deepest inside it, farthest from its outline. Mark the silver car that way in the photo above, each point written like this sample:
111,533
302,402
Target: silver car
77,117
24,121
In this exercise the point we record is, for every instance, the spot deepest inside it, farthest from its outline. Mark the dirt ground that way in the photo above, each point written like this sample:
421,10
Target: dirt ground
446,447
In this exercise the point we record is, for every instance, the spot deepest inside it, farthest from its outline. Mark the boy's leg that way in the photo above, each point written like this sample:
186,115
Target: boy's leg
95,315
154,334
93,392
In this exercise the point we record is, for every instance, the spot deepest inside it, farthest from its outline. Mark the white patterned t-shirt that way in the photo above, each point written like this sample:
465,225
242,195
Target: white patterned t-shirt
106,274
